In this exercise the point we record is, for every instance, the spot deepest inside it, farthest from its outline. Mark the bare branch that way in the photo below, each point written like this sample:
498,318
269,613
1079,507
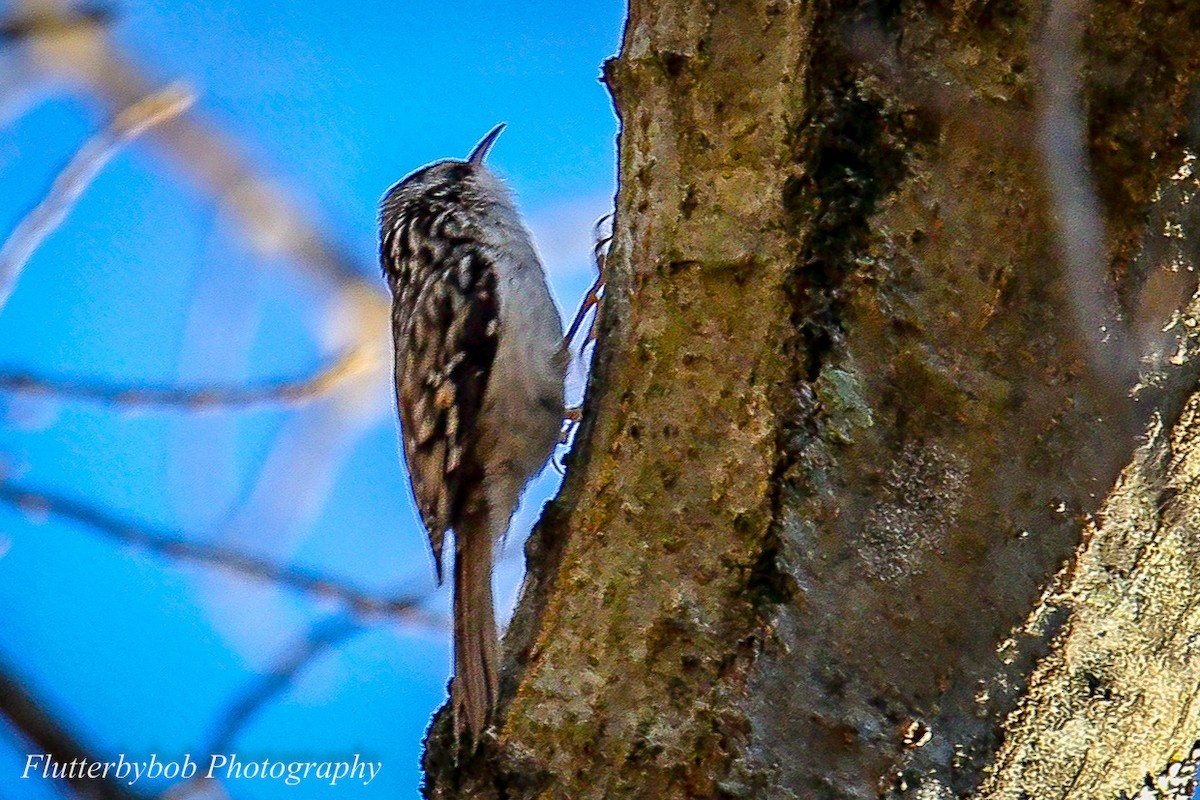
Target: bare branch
173,545
262,690
47,735
325,635
86,57
188,398
80,171
320,436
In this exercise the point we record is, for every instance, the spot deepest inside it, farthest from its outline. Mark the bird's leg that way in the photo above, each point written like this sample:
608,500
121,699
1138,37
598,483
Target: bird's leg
589,302
571,417
596,293
600,242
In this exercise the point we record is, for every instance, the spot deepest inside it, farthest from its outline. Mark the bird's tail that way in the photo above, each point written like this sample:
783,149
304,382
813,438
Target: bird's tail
476,686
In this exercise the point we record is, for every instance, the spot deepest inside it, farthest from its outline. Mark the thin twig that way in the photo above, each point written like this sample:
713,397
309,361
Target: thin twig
188,398
173,545
325,635
213,160
79,172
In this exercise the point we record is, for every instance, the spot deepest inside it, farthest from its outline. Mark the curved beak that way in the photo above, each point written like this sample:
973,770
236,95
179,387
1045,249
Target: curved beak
485,145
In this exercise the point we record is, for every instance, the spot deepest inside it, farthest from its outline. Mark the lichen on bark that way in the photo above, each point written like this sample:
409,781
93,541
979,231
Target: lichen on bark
841,433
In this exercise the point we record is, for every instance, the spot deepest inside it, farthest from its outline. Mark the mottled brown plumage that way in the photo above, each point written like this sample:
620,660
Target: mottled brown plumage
479,371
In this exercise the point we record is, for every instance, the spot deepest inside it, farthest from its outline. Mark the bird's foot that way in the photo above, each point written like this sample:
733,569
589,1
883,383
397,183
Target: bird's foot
601,240
571,419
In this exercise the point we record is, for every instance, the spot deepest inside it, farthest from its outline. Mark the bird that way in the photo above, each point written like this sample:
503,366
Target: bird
480,364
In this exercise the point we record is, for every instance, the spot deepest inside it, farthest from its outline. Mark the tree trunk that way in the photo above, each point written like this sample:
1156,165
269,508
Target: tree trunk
847,422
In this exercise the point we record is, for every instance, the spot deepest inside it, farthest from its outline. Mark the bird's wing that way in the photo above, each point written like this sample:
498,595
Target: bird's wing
445,320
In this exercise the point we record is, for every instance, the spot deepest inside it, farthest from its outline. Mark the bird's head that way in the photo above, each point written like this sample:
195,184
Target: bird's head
445,182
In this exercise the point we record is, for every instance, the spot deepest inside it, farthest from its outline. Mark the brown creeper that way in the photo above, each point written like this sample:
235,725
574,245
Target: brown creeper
480,363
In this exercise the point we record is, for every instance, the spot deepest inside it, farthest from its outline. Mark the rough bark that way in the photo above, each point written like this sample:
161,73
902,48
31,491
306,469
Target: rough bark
842,433
1118,697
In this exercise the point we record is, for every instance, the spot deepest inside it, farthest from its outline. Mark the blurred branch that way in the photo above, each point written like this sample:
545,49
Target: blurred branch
19,91
1083,247
86,60
45,734
188,398
325,635
84,56
173,545
321,436
1059,131
152,109
262,690
38,23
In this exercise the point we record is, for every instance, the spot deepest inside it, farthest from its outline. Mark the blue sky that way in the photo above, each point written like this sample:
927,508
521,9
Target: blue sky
149,283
